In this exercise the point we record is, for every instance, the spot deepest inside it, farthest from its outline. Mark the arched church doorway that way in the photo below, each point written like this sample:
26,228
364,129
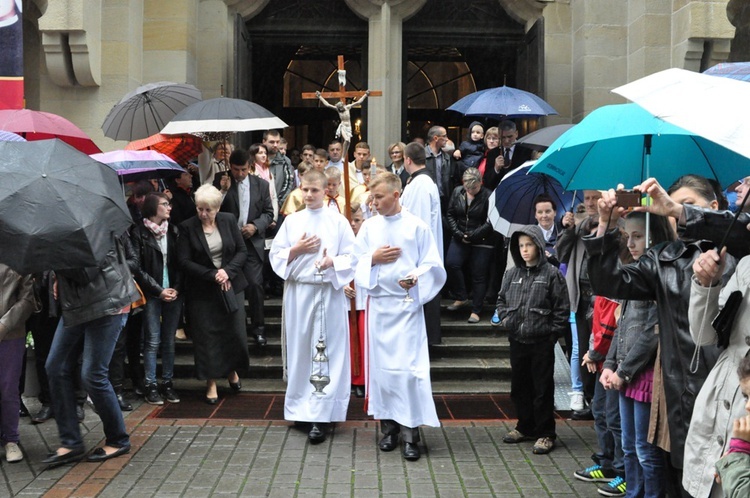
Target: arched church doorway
450,49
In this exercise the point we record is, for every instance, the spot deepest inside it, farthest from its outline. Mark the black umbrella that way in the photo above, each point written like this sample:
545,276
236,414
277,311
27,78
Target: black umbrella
222,115
59,208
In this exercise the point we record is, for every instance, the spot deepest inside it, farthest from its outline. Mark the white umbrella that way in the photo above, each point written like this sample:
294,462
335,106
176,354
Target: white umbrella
145,110
709,106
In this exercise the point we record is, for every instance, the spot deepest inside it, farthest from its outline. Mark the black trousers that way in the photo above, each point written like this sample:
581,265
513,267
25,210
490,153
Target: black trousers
254,291
532,387
42,328
391,427
129,344
583,325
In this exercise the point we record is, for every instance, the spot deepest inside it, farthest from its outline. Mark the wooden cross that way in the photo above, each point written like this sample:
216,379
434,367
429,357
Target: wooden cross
342,95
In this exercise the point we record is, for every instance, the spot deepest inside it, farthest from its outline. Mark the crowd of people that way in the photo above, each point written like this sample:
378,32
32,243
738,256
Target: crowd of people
631,298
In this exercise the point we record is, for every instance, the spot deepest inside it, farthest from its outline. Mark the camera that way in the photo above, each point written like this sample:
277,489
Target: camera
628,198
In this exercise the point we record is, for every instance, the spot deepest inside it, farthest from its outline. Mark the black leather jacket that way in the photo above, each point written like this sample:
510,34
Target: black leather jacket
662,274
150,262
472,220
86,294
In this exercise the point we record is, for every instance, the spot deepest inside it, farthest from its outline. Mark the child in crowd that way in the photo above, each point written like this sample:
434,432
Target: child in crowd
358,297
733,469
320,160
312,253
533,306
295,200
333,199
471,151
629,370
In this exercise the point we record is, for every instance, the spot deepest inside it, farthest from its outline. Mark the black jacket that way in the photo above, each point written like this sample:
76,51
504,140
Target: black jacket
533,301
491,178
86,294
150,261
472,221
194,258
260,213
663,275
449,175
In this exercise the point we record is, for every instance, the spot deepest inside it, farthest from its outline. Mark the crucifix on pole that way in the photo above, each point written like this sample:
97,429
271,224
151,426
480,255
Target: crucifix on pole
344,131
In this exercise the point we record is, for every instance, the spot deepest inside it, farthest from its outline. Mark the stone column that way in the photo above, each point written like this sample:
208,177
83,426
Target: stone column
385,68
169,40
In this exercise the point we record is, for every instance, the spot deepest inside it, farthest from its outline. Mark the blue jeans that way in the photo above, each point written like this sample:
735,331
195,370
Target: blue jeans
644,462
606,410
576,384
160,321
94,342
480,258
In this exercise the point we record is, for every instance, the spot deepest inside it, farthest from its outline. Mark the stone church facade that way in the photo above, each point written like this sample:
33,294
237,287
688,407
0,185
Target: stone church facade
82,56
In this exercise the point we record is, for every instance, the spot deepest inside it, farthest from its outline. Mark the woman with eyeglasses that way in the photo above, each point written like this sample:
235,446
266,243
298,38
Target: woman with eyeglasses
155,246
396,155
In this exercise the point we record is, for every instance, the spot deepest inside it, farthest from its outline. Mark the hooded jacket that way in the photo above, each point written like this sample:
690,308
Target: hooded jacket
533,302
471,151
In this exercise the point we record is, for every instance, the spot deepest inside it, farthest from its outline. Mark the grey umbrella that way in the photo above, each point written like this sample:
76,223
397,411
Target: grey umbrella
543,137
223,115
59,208
144,111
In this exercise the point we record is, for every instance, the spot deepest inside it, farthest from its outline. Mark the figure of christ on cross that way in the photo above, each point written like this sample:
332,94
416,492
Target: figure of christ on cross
344,131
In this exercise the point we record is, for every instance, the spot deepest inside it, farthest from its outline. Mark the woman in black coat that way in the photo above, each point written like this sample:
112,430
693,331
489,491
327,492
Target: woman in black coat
211,253
472,239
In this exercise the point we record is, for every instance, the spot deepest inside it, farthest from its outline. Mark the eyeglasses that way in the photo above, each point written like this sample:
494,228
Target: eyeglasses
165,204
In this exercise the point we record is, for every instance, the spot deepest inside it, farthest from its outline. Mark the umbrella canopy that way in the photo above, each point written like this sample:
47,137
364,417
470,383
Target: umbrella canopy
735,70
7,136
181,148
134,165
222,115
625,144
502,102
542,138
59,208
38,125
512,202
715,108
145,111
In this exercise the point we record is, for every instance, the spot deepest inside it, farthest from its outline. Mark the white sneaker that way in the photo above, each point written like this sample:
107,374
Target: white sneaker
13,453
576,401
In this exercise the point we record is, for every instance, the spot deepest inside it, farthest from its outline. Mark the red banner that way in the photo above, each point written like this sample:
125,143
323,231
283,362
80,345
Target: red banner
11,55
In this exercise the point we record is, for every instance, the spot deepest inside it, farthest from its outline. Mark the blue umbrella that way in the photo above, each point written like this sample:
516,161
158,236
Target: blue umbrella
502,102
734,70
512,202
626,144
135,165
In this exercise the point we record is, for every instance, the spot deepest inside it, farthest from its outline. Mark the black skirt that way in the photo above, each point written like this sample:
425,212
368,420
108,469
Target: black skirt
219,338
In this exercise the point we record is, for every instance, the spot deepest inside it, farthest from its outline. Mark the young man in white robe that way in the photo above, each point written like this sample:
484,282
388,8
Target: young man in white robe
397,256
421,198
312,253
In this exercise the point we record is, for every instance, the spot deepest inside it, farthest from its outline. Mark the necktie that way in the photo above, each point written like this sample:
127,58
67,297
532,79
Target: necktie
506,156
244,203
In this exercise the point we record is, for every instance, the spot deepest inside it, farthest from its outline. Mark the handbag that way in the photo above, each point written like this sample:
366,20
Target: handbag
230,300
724,320
141,300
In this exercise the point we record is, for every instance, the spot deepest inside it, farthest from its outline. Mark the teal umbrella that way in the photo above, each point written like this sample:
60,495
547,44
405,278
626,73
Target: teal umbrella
626,144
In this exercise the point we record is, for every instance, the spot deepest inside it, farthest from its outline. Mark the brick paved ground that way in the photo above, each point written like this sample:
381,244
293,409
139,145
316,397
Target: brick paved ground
195,458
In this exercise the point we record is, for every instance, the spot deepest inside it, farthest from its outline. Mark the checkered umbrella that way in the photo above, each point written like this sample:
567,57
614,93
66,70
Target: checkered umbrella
181,148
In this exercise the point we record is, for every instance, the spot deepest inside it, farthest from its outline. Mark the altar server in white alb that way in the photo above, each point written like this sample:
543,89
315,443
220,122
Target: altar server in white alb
397,256
308,240
421,198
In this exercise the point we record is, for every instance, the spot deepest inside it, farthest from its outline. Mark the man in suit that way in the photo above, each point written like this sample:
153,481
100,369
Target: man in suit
506,157
247,197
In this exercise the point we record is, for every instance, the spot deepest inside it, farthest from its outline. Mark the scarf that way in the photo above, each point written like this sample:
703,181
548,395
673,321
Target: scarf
159,231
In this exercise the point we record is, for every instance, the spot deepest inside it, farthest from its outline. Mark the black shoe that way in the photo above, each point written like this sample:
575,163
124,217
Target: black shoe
260,339
389,442
584,414
411,452
22,410
125,406
359,391
152,395
80,413
55,460
212,401
316,435
45,413
168,392
236,386
99,455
